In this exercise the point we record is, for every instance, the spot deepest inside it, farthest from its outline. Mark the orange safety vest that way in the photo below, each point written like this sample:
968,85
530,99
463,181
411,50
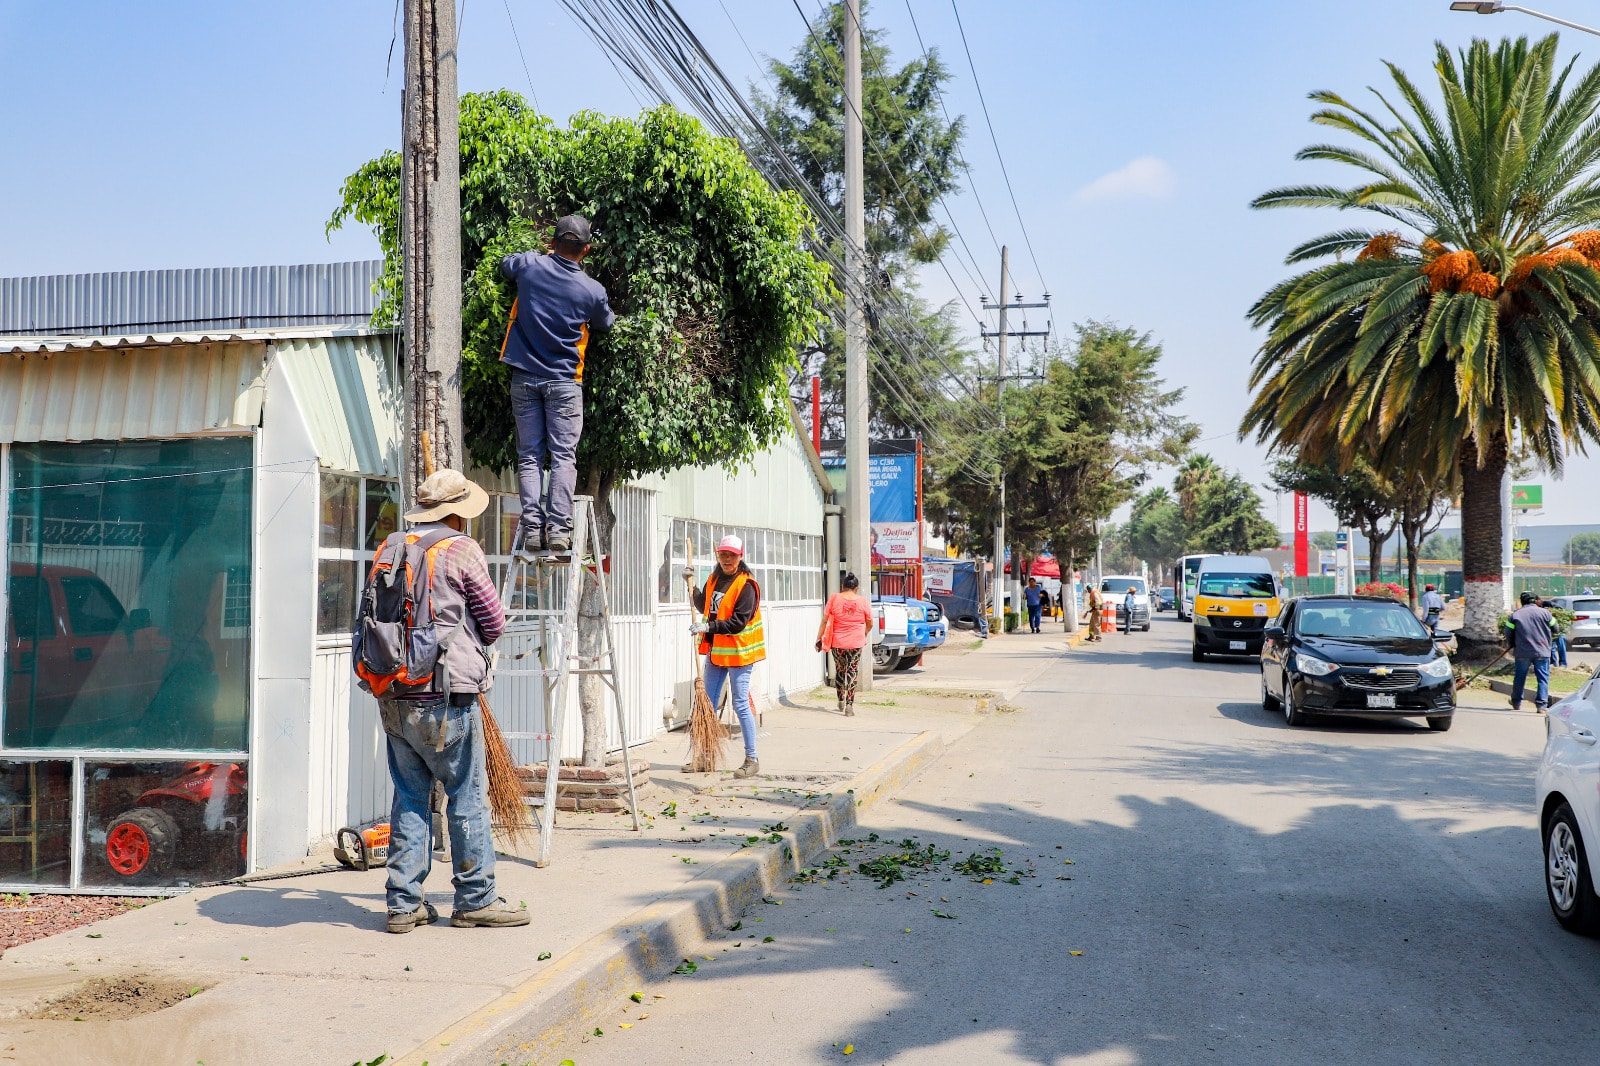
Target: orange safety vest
733,649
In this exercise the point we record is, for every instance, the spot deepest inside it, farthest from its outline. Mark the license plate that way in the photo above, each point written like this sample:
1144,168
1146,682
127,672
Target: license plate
1236,645
1376,702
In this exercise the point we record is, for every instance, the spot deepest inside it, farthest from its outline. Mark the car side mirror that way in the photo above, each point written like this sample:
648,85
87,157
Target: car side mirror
1273,633
139,618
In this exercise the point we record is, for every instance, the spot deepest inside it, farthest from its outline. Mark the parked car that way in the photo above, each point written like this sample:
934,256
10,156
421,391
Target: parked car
1363,656
79,663
911,627
1585,628
1569,809
1166,598
1114,587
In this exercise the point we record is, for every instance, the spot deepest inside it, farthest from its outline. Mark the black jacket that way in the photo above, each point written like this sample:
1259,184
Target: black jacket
743,611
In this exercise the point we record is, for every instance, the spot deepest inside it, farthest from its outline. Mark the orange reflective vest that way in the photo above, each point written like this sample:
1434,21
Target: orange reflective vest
743,648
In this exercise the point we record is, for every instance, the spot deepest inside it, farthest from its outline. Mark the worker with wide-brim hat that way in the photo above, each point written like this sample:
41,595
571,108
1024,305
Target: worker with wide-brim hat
733,639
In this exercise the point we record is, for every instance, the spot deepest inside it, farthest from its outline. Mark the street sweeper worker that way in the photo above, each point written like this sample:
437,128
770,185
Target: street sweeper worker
732,638
439,735
547,340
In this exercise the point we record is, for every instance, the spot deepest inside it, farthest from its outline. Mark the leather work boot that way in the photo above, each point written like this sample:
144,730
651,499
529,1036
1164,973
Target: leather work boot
496,915
750,768
404,923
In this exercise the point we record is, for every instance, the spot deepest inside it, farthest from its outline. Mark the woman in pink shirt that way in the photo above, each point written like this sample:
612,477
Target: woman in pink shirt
845,623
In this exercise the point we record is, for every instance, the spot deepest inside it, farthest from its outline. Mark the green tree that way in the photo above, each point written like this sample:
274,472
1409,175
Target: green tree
1442,546
1228,519
1467,321
909,162
706,264
1156,529
1583,549
1324,540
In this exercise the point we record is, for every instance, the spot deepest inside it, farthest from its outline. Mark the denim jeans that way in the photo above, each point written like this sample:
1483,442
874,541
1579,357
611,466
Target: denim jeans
739,677
1519,678
1034,611
1558,651
415,760
549,416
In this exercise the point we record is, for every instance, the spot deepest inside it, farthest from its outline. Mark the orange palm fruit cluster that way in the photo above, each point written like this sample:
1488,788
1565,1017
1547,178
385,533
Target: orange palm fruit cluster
1381,246
1447,271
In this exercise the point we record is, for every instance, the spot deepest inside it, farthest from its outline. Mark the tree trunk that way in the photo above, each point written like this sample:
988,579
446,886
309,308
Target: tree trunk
1411,531
1481,547
591,628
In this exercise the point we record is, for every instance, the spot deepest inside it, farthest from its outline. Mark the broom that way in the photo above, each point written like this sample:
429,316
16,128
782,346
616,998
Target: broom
706,736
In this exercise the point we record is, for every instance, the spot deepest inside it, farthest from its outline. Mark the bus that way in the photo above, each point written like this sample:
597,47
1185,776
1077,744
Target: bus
1185,573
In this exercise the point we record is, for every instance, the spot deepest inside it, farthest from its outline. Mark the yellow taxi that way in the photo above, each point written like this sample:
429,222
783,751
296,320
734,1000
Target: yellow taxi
1236,597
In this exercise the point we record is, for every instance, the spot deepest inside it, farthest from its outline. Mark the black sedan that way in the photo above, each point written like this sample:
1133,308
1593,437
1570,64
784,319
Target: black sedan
1355,655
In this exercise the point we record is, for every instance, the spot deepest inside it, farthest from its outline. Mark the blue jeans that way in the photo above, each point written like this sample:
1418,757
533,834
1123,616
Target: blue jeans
416,759
739,676
1519,678
549,416
1034,611
1558,651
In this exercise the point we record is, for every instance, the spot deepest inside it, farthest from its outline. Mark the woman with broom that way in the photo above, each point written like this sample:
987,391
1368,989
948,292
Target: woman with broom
843,631
732,639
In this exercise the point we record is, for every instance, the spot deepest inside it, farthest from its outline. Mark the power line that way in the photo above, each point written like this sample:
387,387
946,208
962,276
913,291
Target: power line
518,40
996,141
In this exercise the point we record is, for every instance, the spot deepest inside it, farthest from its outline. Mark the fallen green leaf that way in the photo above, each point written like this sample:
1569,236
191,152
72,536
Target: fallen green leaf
768,939
687,966
637,997
543,955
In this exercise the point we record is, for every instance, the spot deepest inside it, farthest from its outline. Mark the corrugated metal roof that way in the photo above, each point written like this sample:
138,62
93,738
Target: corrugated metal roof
28,345
348,389
206,298
176,390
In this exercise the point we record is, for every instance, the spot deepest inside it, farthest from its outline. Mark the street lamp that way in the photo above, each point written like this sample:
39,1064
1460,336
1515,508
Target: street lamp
1493,7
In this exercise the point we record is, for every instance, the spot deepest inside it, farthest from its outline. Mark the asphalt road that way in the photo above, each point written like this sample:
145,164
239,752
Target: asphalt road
1240,893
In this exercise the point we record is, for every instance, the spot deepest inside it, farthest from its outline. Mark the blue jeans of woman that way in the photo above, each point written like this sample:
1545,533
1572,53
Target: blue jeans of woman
739,678
427,741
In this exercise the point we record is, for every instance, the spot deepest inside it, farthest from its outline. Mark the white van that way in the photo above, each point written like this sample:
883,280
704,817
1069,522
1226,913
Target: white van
1185,572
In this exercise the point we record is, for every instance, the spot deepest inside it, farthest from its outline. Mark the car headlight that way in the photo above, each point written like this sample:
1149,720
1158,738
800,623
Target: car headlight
1310,664
917,614
1201,620
1439,667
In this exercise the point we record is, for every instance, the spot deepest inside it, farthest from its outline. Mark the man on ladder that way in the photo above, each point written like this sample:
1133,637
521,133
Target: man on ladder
547,338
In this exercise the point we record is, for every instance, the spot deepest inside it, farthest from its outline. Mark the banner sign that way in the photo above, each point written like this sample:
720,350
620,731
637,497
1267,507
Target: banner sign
1526,496
939,577
1302,536
895,542
892,480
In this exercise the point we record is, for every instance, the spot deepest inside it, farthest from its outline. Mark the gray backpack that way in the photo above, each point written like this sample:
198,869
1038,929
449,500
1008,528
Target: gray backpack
396,647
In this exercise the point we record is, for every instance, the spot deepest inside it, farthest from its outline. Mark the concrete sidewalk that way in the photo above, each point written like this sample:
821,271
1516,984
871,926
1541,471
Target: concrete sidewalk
299,970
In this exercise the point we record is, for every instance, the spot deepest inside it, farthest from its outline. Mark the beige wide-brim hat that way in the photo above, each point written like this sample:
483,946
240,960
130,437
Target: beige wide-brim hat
447,492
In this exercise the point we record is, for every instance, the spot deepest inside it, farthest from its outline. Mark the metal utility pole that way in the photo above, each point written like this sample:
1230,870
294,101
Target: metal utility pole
430,237
1001,377
858,500
1000,402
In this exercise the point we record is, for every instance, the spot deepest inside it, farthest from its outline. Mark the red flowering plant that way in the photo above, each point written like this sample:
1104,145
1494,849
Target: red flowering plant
1382,588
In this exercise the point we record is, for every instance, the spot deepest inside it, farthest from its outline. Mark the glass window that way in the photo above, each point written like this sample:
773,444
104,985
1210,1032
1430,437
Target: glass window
1238,586
32,614
339,584
340,504
36,823
383,513
163,823
136,558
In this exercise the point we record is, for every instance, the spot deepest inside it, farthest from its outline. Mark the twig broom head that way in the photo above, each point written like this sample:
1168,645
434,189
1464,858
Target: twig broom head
706,736
508,813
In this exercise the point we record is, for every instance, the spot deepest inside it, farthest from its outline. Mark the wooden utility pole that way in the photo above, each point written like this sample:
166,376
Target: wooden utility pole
857,448
430,237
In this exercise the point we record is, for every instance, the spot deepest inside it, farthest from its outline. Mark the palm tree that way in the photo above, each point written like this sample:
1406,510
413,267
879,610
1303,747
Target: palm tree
1469,322
1197,471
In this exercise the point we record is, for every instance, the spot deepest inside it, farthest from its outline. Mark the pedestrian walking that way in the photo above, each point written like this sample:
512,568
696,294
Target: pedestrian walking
1127,610
1096,605
1532,631
546,342
733,639
435,733
846,621
1032,594
1432,606
1045,609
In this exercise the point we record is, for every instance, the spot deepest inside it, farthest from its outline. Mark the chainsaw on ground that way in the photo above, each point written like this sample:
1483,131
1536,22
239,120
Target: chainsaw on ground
362,847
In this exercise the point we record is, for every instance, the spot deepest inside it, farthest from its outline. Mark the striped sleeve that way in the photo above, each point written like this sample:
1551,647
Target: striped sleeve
477,589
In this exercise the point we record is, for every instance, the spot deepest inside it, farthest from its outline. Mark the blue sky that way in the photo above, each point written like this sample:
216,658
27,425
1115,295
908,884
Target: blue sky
1135,132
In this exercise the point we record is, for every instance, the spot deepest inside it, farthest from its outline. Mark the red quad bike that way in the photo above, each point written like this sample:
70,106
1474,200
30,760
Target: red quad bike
181,824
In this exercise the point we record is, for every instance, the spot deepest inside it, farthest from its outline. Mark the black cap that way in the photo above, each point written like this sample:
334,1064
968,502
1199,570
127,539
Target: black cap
1527,598
574,228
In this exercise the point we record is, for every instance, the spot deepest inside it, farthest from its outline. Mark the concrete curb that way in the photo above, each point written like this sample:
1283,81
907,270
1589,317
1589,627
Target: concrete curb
550,1011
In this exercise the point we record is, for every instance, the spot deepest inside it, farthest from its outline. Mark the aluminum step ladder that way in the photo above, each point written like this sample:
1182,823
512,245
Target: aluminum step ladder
529,592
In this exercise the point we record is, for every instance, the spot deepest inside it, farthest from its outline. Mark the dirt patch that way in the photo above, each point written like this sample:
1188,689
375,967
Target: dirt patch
25,916
118,998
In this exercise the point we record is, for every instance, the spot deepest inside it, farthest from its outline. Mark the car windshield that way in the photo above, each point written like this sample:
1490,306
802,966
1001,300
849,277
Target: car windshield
1359,621
1120,585
1238,586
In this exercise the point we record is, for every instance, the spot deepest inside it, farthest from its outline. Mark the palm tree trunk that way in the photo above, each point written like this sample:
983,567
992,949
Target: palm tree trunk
1481,547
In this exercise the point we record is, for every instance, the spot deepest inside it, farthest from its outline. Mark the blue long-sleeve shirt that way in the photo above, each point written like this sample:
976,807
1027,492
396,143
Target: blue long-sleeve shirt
557,305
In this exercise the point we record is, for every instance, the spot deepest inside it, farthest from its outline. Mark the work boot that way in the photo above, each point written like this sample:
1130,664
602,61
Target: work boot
559,543
405,922
850,709
750,768
496,915
532,545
